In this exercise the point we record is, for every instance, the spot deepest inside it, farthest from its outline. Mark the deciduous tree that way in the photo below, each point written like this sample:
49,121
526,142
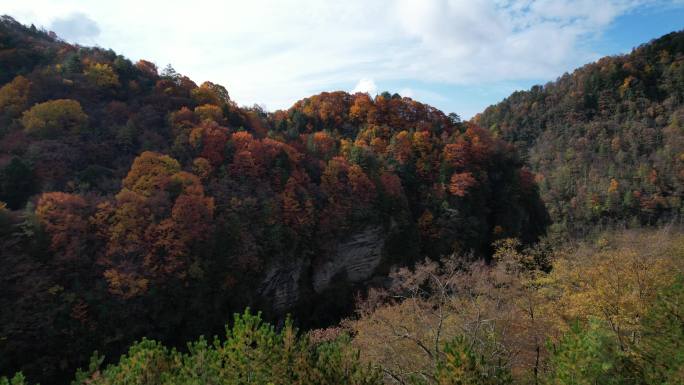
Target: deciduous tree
54,118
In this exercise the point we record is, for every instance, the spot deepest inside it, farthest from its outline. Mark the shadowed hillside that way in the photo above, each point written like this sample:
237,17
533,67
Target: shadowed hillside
137,203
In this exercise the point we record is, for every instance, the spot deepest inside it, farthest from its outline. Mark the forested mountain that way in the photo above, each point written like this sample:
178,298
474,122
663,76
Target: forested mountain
136,205
607,141
139,204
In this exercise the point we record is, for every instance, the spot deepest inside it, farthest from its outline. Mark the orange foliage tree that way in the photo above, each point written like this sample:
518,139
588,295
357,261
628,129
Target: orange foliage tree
460,183
150,231
400,147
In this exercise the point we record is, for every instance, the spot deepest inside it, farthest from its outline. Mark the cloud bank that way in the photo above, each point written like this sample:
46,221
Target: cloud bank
277,51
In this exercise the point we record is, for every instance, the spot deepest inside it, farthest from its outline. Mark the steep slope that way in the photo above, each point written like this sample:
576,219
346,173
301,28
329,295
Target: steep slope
607,141
141,204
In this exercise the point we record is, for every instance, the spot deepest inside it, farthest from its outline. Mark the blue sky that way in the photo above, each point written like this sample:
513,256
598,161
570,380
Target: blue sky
458,55
621,36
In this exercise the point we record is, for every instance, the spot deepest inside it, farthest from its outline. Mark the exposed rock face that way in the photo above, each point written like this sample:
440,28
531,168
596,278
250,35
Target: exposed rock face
356,259
281,284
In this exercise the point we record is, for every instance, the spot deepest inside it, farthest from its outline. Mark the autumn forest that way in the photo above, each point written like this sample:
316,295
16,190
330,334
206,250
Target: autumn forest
153,231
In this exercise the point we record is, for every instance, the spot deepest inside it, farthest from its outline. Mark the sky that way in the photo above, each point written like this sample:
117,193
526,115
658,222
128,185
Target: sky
458,55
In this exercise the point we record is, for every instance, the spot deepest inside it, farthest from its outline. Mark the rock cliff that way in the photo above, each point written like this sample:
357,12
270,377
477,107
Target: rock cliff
355,258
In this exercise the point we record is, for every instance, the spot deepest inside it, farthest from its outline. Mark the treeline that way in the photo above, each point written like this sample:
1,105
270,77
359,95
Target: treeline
139,204
607,141
605,311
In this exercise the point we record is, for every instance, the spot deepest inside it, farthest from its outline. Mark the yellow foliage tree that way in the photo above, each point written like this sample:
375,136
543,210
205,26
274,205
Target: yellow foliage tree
14,96
210,93
150,172
614,185
509,309
209,112
101,75
616,283
54,118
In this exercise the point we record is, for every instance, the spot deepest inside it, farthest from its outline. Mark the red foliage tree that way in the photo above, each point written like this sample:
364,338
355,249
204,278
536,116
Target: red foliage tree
210,139
391,183
244,165
323,145
362,188
297,205
65,219
148,68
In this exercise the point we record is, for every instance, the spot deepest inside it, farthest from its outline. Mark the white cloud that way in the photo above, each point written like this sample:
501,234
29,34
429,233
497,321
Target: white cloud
474,41
76,27
278,51
407,92
366,85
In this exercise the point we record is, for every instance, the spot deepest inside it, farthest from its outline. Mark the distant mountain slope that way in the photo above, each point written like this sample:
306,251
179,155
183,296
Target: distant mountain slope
607,141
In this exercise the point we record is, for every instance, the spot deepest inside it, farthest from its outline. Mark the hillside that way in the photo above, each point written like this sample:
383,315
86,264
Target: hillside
577,321
139,204
607,141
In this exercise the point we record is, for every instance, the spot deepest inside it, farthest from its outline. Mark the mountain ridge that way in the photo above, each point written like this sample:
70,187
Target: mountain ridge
139,203
605,140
